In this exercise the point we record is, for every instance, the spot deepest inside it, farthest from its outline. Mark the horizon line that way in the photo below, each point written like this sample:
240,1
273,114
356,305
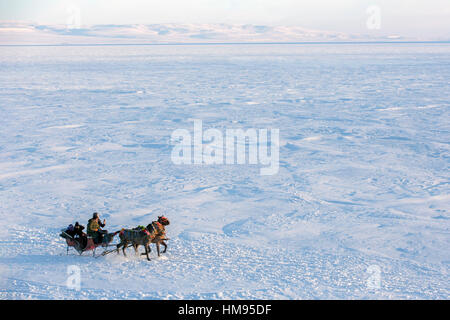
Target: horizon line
228,43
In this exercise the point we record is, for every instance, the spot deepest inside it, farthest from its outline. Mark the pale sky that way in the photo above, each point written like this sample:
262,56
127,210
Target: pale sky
402,17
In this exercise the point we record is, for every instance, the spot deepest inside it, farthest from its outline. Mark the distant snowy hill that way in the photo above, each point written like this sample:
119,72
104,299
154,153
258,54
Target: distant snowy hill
28,33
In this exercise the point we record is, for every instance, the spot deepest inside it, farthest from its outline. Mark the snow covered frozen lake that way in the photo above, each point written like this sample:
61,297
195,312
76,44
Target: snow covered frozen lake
358,209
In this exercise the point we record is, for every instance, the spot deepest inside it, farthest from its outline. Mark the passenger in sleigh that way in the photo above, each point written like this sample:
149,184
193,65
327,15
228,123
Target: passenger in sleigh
76,232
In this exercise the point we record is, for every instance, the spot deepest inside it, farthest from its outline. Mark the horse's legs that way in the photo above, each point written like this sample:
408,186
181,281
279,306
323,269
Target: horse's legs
118,246
157,248
147,251
124,247
165,246
135,246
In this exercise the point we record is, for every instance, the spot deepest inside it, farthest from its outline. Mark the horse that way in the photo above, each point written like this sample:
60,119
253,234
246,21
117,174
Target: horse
153,233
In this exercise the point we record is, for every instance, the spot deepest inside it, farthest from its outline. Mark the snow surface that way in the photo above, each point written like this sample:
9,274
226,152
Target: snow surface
363,183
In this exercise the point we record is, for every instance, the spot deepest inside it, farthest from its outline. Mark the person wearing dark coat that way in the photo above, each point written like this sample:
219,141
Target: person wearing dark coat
76,232
80,236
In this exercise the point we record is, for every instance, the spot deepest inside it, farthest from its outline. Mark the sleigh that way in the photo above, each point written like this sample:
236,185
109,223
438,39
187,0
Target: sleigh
90,245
